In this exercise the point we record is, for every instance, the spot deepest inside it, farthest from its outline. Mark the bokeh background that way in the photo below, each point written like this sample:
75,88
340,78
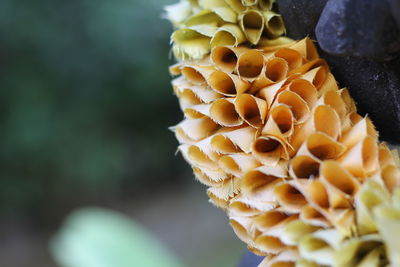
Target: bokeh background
85,106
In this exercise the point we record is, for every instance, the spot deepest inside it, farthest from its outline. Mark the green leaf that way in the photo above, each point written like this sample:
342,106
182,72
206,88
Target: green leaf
95,237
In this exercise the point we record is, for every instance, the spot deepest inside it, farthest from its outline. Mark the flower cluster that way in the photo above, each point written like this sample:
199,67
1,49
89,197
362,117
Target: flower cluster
204,24
282,149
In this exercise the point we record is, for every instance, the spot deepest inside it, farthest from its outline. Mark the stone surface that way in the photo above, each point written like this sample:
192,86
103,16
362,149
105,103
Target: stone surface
395,9
300,16
375,87
360,28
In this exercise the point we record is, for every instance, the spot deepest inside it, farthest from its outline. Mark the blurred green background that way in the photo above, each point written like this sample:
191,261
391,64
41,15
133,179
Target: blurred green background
85,104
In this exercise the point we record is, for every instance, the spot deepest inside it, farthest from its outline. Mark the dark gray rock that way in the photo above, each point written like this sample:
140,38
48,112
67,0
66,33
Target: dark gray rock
360,28
300,16
375,86
395,9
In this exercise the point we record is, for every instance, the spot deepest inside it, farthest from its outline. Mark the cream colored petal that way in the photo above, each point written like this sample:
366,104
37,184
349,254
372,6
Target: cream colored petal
334,175
287,258
243,228
334,100
388,221
259,183
238,164
316,212
317,72
209,177
259,186
234,141
280,122
306,48
186,90
289,197
251,109
321,147
226,13
310,69
271,45
348,100
211,3
316,76
206,30
175,69
227,84
259,83
184,152
298,106
269,150
269,244
322,115
304,166
180,83
276,69
192,43
228,34
356,252
270,92
236,5
225,57
271,79
215,200
296,230
329,83
188,99
340,184
197,74
243,207
204,17
396,157
227,190
271,128
355,117
274,221
190,130
320,246
205,94
385,155
362,159
223,112
203,156
371,195
265,4
256,251
197,111
373,258
315,192
358,132
250,64
306,263
274,25
252,22
396,198
391,177
313,216
316,250
292,57
344,220
249,2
